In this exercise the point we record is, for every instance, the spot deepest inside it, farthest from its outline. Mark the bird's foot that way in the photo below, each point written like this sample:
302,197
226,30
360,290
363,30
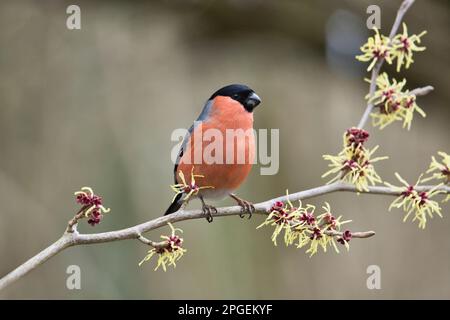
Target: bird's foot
208,210
247,206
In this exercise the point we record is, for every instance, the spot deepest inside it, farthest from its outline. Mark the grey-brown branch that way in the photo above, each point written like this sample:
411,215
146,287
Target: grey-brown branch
70,239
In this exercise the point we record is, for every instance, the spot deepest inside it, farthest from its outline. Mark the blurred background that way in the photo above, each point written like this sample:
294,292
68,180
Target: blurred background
97,107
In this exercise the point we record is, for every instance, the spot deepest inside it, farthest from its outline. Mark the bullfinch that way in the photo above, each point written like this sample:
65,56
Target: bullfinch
227,122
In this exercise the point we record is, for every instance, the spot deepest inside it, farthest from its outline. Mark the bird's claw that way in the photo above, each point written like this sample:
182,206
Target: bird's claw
208,210
246,207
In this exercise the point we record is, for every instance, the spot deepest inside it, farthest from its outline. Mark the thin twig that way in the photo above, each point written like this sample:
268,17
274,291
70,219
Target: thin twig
421,91
156,245
71,225
360,235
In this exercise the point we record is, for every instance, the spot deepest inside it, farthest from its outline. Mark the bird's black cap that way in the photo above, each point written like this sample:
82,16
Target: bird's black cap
241,93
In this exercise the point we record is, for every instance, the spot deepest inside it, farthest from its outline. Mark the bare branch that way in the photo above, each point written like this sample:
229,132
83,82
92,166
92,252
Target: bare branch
156,245
422,91
406,4
74,238
71,225
361,235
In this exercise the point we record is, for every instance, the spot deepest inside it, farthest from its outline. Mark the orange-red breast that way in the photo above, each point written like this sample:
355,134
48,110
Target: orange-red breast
220,147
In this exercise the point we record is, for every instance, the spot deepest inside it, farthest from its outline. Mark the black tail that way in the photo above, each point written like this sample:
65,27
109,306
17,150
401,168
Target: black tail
175,205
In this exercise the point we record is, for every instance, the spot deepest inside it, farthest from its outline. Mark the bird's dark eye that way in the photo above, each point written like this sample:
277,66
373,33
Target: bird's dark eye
235,96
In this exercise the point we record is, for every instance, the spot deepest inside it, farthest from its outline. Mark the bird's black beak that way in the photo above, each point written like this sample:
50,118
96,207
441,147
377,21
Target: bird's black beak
252,101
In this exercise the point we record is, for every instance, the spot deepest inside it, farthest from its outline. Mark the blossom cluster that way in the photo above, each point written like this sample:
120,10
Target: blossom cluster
92,205
303,228
393,103
400,47
354,164
403,46
415,202
375,49
169,251
440,170
188,189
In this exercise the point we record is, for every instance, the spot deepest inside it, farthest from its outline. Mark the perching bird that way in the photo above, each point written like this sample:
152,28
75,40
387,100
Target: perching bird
222,162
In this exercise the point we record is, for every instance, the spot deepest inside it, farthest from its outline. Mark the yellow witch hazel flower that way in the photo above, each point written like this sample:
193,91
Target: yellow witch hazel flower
169,251
189,190
442,168
394,104
404,46
281,215
354,164
375,49
319,232
401,47
302,228
92,205
386,89
416,202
